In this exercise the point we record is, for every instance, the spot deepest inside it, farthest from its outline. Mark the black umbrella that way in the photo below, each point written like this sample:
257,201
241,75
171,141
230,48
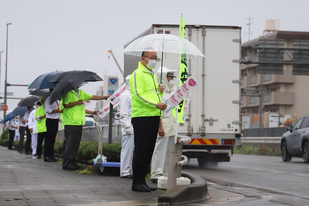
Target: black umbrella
69,83
41,93
28,101
91,76
42,81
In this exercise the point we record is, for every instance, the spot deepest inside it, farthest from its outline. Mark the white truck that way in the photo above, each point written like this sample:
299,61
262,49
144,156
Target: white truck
213,120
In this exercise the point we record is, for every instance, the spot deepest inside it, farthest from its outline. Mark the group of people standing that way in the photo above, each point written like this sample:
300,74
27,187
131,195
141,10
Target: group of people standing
41,124
148,134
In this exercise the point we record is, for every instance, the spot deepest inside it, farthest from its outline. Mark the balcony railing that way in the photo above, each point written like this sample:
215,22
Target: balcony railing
267,98
253,79
253,100
268,77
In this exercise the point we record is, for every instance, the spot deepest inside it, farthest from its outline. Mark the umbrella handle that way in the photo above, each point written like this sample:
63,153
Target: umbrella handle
161,67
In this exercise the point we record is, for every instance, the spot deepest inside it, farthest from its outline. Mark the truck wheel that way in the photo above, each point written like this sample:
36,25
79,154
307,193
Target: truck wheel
285,155
306,152
203,163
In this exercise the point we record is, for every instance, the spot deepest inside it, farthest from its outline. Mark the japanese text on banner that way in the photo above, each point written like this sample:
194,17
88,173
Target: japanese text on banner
179,94
116,95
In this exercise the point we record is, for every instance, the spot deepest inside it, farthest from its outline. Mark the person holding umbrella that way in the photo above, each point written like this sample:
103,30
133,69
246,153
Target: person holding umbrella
147,106
52,118
73,118
23,127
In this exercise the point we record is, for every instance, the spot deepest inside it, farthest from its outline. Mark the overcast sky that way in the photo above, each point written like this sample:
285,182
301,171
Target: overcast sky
49,35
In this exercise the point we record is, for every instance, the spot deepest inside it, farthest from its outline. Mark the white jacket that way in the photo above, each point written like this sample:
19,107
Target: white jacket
167,120
32,122
125,105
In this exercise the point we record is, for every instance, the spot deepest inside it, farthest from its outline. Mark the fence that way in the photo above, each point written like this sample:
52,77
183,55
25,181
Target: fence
91,134
264,132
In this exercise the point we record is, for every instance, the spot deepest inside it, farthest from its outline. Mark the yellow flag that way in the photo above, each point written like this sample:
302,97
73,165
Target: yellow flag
183,74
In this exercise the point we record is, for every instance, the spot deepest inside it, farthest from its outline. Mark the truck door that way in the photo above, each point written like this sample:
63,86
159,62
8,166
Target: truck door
294,138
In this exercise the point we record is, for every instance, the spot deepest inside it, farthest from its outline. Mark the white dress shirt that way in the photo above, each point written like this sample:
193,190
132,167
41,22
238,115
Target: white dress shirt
50,107
20,121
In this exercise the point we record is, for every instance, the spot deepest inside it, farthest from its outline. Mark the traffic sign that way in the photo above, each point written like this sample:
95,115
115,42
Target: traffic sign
112,84
5,107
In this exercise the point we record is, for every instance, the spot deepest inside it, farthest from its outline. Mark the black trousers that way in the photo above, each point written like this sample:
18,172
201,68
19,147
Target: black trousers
41,137
52,129
11,138
21,139
73,136
145,135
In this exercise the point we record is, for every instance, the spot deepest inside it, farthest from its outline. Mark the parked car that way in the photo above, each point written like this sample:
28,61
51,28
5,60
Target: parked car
295,142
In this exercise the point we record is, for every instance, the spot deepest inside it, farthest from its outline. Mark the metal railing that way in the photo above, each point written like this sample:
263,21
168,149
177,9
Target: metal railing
253,79
90,133
268,77
253,100
267,98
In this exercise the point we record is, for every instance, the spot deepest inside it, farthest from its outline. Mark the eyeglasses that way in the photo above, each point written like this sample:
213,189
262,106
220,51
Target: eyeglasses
153,58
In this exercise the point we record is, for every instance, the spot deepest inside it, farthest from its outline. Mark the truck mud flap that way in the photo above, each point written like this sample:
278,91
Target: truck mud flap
222,159
219,157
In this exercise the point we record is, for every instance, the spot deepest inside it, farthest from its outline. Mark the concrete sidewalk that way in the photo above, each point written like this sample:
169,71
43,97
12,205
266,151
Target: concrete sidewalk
27,181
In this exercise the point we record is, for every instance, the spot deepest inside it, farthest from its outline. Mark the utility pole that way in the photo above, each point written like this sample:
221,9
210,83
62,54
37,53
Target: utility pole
0,67
6,66
249,24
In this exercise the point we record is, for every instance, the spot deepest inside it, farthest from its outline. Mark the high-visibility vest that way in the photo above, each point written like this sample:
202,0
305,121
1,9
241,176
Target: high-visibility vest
74,115
41,125
144,86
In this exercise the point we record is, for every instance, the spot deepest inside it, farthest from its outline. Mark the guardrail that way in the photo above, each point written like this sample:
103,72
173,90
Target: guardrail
90,133
260,140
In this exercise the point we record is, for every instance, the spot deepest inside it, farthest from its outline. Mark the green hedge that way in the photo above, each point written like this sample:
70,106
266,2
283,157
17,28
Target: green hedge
4,140
89,150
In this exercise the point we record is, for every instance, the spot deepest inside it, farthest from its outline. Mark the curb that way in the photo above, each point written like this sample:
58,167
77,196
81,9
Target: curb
183,194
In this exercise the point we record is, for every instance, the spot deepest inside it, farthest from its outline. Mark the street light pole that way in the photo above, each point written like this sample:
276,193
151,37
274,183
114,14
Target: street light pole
6,66
0,67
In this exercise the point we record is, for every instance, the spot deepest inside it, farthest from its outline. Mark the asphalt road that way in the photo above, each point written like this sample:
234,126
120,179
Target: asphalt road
263,180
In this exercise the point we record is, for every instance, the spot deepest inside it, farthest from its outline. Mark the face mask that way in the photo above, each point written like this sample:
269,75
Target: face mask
173,82
151,64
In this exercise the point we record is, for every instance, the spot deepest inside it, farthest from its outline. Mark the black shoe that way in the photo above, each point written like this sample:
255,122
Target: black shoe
28,153
128,176
10,148
48,159
155,181
70,167
150,188
54,159
140,188
19,151
39,157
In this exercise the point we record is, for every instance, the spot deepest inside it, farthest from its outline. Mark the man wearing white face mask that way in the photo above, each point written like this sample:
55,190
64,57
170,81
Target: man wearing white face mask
166,137
147,106
125,105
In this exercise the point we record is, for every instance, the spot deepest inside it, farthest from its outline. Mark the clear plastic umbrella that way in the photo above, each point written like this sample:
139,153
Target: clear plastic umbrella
163,43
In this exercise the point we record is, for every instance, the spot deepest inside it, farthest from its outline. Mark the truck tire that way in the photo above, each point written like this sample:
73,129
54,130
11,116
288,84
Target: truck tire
306,152
203,163
285,155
